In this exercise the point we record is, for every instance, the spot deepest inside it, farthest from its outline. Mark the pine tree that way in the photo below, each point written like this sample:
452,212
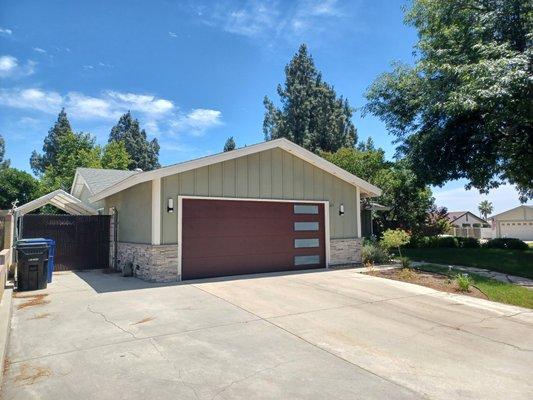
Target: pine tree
311,114
144,154
39,162
3,163
230,144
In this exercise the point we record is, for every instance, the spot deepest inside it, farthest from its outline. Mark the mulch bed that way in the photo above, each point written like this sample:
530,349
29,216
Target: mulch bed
428,279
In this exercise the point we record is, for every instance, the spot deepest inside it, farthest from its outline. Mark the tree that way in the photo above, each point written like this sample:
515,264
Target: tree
311,114
464,109
395,238
485,208
73,150
144,154
409,200
115,156
16,185
230,144
3,162
39,162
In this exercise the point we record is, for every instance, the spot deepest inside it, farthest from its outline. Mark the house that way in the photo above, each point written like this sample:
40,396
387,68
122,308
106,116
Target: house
514,223
467,224
272,206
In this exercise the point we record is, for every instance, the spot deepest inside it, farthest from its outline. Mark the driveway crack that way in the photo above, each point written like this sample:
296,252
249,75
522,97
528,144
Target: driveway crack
110,322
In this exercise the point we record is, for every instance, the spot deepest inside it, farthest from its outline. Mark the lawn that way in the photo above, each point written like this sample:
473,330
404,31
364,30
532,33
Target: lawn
512,262
494,290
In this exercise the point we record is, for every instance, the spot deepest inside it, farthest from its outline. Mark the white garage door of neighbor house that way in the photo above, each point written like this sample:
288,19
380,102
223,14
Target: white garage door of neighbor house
519,230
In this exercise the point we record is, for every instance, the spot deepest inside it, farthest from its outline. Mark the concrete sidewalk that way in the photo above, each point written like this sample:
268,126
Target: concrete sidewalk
315,335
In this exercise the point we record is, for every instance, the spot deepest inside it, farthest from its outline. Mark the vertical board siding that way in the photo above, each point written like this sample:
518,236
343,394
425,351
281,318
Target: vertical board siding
272,174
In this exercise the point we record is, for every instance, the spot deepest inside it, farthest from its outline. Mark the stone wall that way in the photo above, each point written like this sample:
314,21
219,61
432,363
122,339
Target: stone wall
150,263
345,251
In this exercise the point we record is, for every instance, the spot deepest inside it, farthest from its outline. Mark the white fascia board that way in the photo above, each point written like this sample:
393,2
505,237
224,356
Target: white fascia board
60,199
77,184
300,152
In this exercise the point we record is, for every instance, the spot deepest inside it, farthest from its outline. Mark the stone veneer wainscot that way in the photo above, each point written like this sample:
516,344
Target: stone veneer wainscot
345,251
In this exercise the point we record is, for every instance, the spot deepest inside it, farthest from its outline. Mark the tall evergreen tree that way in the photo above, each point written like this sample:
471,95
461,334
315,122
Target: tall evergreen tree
230,144
144,154
39,162
311,114
3,163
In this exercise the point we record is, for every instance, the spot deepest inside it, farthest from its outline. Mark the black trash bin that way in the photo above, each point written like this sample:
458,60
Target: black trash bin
32,266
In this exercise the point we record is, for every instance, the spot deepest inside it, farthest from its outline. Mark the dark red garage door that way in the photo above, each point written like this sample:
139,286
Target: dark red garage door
231,237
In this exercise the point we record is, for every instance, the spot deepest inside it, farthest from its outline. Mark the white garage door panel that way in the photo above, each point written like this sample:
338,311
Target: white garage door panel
519,230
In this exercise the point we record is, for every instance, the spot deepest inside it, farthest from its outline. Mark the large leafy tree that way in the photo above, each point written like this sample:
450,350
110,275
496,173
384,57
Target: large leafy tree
144,154
410,202
311,114
115,156
73,150
40,162
16,185
464,109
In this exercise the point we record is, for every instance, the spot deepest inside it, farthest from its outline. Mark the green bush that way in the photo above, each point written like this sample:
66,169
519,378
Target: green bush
468,243
405,262
463,282
374,253
394,238
506,243
446,241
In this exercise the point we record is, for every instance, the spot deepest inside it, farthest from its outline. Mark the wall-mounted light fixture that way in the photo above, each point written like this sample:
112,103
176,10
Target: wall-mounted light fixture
341,209
170,205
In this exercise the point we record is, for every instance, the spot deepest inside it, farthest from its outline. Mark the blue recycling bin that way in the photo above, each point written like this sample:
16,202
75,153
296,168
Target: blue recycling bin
51,252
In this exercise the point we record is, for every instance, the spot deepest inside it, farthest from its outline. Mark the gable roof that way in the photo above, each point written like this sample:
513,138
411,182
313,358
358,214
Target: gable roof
97,179
62,200
454,215
284,144
523,206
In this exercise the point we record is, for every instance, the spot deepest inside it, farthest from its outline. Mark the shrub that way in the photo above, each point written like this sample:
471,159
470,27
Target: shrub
463,282
506,243
405,262
446,241
468,243
374,253
395,238
407,274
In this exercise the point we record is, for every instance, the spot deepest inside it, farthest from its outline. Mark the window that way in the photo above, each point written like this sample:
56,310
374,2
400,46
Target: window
305,243
305,209
306,226
306,260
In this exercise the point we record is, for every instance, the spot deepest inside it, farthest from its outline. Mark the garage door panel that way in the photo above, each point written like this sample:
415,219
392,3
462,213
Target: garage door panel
231,237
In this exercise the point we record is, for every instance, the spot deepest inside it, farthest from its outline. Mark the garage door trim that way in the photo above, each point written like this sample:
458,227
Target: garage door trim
180,221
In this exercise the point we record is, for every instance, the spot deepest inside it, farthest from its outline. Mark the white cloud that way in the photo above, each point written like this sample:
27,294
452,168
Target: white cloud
159,116
39,50
5,31
172,34
10,67
459,199
197,121
271,19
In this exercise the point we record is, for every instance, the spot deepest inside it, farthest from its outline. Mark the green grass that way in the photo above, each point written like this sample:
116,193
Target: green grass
512,262
494,290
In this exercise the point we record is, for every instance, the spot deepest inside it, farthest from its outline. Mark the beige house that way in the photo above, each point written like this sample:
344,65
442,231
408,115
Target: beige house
514,223
267,207
467,224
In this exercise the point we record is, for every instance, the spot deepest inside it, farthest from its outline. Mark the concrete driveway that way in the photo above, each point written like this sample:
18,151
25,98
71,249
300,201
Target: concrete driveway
320,335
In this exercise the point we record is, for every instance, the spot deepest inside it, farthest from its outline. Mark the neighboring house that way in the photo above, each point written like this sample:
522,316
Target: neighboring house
272,206
467,224
466,219
514,223
89,181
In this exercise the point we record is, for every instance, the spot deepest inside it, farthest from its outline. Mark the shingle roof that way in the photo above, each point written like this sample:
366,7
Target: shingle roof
453,215
99,179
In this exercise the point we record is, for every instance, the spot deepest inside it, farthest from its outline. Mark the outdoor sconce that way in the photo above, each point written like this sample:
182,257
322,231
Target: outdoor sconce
341,209
170,205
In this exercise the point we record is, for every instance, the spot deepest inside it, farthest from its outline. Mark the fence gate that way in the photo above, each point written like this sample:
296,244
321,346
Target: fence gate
82,242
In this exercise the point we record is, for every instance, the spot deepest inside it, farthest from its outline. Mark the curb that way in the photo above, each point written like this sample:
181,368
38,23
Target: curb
6,311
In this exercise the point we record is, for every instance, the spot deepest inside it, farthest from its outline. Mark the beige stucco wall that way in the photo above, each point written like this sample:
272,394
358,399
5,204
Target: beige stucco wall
84,196
468,219
272,174
134,207
522,213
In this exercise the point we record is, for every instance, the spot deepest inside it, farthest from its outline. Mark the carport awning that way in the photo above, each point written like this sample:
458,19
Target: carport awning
60,199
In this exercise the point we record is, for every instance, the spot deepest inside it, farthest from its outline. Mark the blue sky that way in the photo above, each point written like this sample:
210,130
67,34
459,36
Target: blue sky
193,72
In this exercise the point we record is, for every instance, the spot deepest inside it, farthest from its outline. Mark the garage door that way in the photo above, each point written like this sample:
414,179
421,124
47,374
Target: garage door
232,237
519,230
